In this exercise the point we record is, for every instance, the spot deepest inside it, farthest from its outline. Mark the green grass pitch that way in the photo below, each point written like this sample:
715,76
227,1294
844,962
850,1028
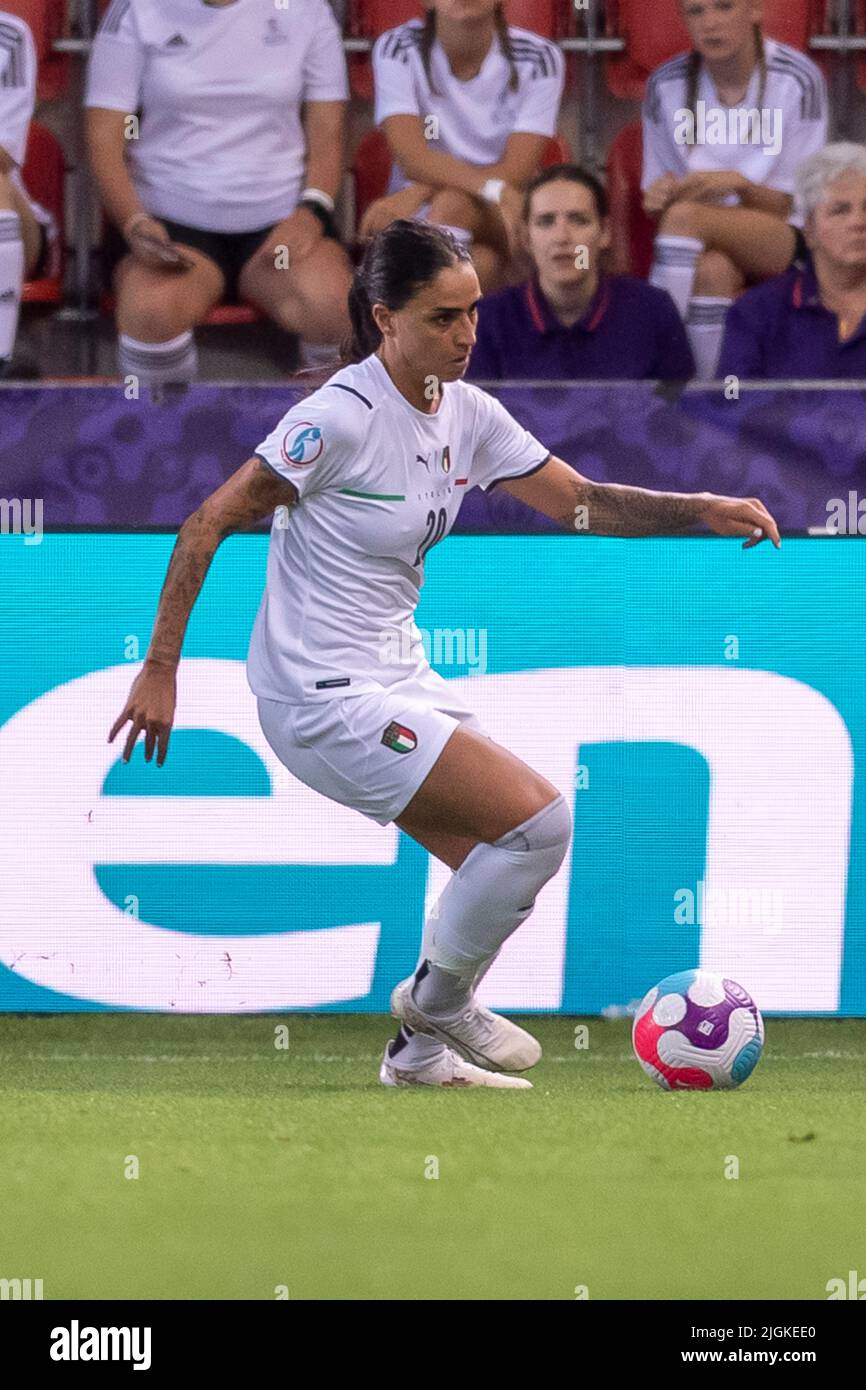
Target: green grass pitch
262,1167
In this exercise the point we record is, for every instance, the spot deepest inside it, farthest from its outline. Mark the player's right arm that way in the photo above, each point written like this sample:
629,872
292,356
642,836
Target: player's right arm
250,494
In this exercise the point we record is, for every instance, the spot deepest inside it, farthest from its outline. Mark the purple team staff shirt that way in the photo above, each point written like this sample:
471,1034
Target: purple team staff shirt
631,331
781,330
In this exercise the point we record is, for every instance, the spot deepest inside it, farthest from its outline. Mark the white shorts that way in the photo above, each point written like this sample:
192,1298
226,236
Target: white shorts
370,752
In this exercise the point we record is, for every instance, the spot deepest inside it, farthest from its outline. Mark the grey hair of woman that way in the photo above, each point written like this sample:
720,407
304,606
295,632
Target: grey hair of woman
816,174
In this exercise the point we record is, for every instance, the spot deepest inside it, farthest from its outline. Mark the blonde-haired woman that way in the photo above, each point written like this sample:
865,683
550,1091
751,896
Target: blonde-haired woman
725,127
467,103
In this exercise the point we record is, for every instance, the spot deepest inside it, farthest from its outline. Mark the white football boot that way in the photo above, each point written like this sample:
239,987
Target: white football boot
447,1070
486,1039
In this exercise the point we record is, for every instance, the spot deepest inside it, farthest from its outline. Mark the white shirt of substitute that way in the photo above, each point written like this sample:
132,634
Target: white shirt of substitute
475,117
795,95
18,98
380,482
221,144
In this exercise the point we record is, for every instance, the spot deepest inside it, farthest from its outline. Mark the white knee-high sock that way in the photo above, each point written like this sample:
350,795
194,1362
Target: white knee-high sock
156,364
675,261
492,892
705,326
11,278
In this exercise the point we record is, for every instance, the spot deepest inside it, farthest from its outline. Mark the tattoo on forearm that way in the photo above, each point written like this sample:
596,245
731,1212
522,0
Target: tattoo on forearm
613,509
190,560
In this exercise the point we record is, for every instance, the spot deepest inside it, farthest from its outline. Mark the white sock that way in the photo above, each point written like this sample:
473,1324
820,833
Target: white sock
488,897
705,326
155,364
11,278
675,261
492,892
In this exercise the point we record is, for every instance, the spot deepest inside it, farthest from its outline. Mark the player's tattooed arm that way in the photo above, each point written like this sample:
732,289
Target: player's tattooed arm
614,509
250,494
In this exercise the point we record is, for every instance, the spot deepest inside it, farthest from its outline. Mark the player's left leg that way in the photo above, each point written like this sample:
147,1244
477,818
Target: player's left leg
308,298
416,1059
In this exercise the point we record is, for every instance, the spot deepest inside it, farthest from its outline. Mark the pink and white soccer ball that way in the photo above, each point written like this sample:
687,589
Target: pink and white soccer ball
697,1031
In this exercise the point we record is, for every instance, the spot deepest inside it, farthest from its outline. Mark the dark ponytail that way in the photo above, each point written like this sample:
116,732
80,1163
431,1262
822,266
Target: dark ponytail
398,262
365,336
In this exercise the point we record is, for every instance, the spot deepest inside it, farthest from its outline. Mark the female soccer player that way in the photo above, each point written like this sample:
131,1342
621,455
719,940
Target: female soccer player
372,468
725,127
227,188
467,103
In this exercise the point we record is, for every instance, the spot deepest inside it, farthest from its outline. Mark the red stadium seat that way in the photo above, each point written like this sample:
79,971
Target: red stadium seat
371,169
633,232
369,18
656,32
46,21
43,175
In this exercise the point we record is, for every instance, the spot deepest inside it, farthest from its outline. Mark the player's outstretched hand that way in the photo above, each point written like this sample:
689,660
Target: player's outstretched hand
150,706
741,516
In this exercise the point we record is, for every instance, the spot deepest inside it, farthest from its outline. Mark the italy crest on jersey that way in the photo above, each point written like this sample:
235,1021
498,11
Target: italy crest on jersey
399,738
446,459
302,445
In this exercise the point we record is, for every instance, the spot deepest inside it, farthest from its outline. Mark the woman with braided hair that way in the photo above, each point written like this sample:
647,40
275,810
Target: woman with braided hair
725,127
467,103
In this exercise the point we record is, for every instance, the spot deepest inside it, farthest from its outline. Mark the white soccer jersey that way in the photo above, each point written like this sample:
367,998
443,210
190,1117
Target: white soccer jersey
17,84
18,100
379,483
221,145
794,108
475,117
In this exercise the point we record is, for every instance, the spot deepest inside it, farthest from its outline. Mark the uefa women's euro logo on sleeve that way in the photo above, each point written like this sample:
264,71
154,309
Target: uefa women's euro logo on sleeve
302,445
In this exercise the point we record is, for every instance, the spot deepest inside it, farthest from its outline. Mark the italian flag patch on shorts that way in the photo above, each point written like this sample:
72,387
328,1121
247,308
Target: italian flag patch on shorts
398,737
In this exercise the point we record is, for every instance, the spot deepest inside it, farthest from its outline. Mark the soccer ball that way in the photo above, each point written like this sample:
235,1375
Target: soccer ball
696,1031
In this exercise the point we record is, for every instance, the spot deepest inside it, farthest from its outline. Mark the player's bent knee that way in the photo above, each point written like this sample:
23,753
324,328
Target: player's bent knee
540,843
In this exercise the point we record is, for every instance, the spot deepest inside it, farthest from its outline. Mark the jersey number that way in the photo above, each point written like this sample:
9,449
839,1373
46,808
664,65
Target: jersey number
436,527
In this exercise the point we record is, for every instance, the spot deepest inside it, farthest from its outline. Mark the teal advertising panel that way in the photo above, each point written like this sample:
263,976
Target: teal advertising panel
701,708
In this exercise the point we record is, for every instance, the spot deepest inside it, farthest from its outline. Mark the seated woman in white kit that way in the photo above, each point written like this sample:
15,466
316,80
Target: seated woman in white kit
227,188
467,103
27,230
725,206
370,473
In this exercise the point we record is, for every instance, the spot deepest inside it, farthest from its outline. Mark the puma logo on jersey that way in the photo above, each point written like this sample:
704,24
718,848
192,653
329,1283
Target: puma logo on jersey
425,459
